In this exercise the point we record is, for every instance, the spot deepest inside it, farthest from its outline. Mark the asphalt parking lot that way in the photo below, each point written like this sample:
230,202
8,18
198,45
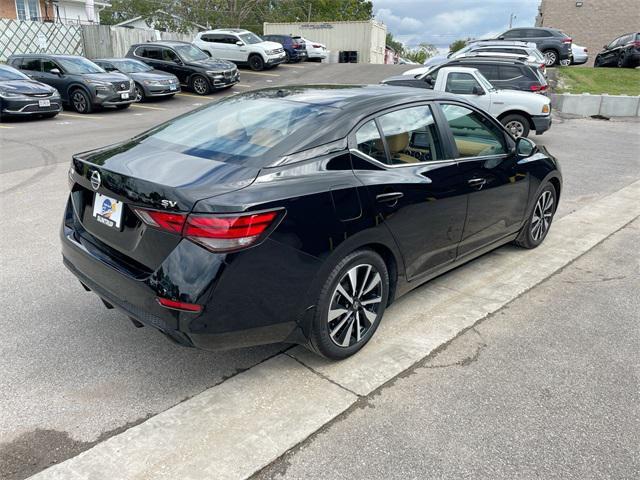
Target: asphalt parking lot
75,373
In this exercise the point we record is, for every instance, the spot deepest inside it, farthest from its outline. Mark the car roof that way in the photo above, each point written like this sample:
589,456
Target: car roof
162,43
502,43
44,55
488,60
227,30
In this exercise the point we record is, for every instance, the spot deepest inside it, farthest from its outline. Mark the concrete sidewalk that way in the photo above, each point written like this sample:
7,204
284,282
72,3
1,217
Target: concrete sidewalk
547,387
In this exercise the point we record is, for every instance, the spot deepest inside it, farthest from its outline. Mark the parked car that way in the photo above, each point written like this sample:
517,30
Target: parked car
295,50
554,44
298,214
22,96
579,55
82,84
526,50
502,73
194,68
241,47
530,56
624,51
316,51
518,111
148,82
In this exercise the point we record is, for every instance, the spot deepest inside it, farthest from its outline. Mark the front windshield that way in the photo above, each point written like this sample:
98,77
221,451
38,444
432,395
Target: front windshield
250,38
10,73
485,83
190,53
131,66
236,129
78,65
537,55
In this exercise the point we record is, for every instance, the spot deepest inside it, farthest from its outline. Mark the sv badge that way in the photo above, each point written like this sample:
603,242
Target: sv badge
168,203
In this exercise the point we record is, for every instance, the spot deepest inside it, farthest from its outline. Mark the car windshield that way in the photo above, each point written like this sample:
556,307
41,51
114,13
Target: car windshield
131,66
78,65
485,83
535,53
191,53
236,129
10,73
250,38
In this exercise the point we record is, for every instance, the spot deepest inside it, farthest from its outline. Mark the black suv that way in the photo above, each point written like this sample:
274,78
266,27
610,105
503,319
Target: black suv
82,84
294,48
624,51
193,67
501,73
554,44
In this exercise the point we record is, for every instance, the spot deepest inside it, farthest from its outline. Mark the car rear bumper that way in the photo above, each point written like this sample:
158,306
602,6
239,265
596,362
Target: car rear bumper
541,123
243,302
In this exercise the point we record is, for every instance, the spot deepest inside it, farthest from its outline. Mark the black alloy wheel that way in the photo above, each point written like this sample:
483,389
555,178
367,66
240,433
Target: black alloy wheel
350,306
537,227
256,63
81,102
200,85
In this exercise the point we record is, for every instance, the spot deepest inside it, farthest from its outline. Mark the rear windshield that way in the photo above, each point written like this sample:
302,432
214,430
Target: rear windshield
245,130
131,66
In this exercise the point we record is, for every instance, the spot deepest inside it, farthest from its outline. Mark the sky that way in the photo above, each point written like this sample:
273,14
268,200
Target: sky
440,22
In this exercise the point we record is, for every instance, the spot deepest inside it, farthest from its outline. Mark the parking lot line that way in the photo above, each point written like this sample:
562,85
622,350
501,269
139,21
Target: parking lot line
242,85
146,106
202,97
291,66
4,126
260,73
71,115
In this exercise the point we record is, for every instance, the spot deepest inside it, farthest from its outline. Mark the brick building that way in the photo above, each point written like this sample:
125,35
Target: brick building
591,23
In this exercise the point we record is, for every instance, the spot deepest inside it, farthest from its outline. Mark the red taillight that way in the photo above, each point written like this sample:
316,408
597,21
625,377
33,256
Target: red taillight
175,305
317,46
567,40
295,45
218,233
537,87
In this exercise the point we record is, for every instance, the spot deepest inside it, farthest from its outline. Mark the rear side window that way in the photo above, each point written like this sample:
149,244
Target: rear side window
508,72
474,135
149,52
370,142
32,64
513,34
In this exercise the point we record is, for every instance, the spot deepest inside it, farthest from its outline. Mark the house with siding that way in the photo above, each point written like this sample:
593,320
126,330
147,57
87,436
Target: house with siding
82,12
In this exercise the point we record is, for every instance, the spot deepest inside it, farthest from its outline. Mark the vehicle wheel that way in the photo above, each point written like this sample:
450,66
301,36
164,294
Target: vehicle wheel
350,306
200,85
140,96
622,60
517,125
597,62
81,102
287,57
535,230
123,107
550,57
256,63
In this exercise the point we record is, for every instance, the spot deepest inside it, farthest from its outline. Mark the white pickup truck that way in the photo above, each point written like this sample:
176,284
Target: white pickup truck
520,112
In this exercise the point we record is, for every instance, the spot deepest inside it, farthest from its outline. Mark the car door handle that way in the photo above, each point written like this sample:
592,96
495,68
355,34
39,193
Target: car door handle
389,197
477,182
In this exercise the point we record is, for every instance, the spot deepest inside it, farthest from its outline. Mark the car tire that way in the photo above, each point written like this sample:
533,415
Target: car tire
622,60
287,57
256,63
80,101
538,224
551,57
350,306
140,96
516,124
123,107
200,85
597,62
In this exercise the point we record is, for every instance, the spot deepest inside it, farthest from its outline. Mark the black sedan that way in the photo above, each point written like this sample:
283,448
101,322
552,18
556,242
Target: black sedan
298,214
148,81
22,96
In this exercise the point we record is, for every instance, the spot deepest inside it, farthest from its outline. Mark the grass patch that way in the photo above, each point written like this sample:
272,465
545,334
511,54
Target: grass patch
614,81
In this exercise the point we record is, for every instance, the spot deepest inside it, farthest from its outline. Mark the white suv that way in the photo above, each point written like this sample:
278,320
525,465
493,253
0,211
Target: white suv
241,47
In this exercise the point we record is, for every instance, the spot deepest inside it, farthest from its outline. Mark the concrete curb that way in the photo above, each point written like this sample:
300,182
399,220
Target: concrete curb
238,427
587,105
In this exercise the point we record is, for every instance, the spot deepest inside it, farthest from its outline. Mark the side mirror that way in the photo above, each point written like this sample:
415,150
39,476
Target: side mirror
55,71
501,38
525,147
178,61
477,90
429,79
239,43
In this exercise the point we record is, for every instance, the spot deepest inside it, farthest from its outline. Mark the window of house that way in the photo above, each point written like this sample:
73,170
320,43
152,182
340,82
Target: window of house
27,9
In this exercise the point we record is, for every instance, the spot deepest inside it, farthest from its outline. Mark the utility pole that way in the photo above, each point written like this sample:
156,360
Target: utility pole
309,14
512,17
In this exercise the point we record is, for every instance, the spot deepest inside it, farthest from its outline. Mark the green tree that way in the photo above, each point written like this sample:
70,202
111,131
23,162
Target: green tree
421,53
396,45
458,44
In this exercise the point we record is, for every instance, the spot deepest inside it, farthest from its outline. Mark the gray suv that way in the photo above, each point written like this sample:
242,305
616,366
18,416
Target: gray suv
82,84
554,44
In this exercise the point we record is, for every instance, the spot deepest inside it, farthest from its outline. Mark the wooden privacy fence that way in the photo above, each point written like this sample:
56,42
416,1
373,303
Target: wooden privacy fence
92,41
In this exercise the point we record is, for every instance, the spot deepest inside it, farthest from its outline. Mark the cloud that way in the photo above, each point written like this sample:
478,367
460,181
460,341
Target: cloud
440,22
